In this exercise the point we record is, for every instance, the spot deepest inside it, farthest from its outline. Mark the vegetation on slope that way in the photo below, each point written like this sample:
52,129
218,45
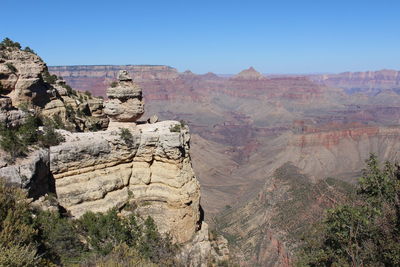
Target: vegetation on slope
283,210
36,238
17,140
364,231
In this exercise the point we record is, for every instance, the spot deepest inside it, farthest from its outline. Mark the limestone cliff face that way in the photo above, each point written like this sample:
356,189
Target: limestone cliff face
98,171
124,163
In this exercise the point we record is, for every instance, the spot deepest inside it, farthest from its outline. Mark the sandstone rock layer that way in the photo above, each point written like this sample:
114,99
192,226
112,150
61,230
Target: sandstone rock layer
125,100
98,171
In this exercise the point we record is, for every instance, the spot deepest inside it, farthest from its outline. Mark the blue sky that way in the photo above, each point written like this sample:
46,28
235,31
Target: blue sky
281,36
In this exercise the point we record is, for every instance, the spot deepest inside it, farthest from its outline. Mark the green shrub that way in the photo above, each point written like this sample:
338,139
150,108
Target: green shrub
28,130
175,129
121,255
58,122
50,137
126,136
114,84
178,127
25,106
183,123
70,112
17,236
11,67
39,238
155,247
15,141
106,231
29,50
59,238
12,143
49,78
7,42
70,91
361,232
89,94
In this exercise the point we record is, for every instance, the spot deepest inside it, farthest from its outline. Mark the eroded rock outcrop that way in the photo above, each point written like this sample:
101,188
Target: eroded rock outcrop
152,169
25,81
21,76
131,163
125,100
249,74
145,165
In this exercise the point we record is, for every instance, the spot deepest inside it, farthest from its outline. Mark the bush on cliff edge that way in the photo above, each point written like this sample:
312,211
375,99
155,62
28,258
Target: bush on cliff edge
36,238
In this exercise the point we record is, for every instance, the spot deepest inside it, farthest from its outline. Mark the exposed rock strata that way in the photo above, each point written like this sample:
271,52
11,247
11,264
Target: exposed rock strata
249,74
125,100
98,171
145,165
21,76
368,81
31,173
23,83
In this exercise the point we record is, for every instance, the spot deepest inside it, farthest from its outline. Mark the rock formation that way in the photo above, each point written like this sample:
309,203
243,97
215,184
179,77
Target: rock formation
125,100
368,81
25,80
242,130
31,173
129,163
249,74
21,76
150,167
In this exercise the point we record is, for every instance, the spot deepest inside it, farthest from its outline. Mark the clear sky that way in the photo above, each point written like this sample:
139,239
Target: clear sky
280,36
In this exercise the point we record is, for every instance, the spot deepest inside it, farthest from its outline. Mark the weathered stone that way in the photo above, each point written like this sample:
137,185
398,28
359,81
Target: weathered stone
95,171
153,119
123,75
21,76
31,173
125,102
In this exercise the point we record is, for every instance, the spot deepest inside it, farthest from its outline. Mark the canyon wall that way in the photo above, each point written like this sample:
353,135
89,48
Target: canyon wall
247,126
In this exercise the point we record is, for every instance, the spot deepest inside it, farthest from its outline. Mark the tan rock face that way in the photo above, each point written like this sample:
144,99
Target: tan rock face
100,170
21,76
22,82
125,102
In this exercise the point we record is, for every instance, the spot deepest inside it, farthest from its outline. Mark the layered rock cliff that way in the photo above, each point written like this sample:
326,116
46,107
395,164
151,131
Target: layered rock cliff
151,167
123,163
266,230
370,82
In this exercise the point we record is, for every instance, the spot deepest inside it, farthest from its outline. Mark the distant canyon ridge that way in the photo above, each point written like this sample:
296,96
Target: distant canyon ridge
247,126
237,117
